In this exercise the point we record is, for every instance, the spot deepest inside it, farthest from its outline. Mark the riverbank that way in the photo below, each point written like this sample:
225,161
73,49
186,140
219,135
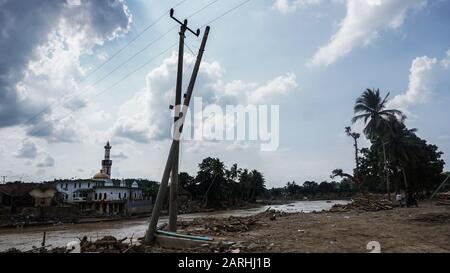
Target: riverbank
423,229
24,221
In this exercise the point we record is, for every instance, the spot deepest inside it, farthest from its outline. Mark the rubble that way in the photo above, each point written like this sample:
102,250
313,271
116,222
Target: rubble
220,226
363,204
444,199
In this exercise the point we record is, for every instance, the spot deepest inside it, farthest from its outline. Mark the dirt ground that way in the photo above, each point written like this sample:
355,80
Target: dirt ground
423,229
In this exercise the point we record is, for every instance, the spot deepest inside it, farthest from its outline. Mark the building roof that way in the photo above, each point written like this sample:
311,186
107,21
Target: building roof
21,189
113,187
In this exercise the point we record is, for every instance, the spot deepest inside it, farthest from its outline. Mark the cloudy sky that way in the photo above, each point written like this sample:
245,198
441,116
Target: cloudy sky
76,73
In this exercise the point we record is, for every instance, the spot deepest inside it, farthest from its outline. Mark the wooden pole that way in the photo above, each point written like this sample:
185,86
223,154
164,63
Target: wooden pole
173,208
43,239
150,234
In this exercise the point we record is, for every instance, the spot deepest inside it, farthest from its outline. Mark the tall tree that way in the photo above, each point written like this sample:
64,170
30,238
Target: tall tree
371,108
401,144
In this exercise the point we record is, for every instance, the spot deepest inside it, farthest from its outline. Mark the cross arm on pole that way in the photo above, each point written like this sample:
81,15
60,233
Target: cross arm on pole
184,23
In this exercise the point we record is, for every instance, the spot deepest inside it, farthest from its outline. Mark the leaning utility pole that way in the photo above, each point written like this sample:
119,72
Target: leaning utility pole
173,207
149,236
440,186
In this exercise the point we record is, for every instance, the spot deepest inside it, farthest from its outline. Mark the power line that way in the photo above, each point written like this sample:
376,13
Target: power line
227,12
61,100
164,51
114,84
134,71
132,40
123,63
203,8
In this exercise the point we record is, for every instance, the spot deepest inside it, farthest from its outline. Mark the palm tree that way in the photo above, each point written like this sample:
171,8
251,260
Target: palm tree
371,108
401,145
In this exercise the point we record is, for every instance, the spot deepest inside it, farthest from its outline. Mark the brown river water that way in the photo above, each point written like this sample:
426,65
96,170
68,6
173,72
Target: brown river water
60,235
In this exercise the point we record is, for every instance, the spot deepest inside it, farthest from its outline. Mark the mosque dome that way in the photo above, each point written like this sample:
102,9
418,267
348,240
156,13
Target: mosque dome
101,175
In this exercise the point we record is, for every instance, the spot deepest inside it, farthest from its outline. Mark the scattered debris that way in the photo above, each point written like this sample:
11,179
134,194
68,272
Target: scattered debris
443,195
443,203
438,218
220,226
363,204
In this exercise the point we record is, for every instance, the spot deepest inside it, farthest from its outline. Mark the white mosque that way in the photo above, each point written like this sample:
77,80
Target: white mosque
100,194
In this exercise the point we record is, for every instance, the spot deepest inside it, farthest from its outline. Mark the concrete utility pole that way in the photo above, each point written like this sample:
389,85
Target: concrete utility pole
173,203
173,206
173,155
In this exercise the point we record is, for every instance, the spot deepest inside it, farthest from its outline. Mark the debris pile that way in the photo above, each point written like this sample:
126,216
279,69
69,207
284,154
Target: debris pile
272,214
107,244
219,226
363,204
444,199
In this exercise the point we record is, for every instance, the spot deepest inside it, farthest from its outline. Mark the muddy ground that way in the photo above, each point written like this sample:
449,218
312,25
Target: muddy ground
423,229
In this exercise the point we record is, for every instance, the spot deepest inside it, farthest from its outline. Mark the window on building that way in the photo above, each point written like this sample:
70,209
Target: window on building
80,185
89,185
66,186
104,196
73,195
119,195
75,185
95,198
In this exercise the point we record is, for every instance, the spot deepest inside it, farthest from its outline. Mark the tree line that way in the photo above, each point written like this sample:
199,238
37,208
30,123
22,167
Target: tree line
312,190
215,185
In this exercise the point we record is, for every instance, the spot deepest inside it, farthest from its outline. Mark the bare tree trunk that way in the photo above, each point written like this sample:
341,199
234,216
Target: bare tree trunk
405,180
388,183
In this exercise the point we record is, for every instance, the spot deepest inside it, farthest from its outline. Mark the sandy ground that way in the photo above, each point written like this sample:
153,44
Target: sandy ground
423,229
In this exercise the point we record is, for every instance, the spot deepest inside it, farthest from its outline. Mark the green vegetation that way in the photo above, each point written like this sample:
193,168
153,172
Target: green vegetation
217,186
396,154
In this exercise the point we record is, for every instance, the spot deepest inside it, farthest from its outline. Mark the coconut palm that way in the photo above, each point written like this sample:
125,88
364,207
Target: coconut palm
371,108
401,143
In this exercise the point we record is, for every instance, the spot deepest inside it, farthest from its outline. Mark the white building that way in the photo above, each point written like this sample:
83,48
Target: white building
100,194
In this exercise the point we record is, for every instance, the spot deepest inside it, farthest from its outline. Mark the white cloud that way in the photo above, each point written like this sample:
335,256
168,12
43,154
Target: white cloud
46,65
275,87
47,162
425,74
27,150
286,6
147,116
363,23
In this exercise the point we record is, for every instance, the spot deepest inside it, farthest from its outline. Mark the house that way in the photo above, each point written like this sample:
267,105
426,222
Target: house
16,195
21,195
43,195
